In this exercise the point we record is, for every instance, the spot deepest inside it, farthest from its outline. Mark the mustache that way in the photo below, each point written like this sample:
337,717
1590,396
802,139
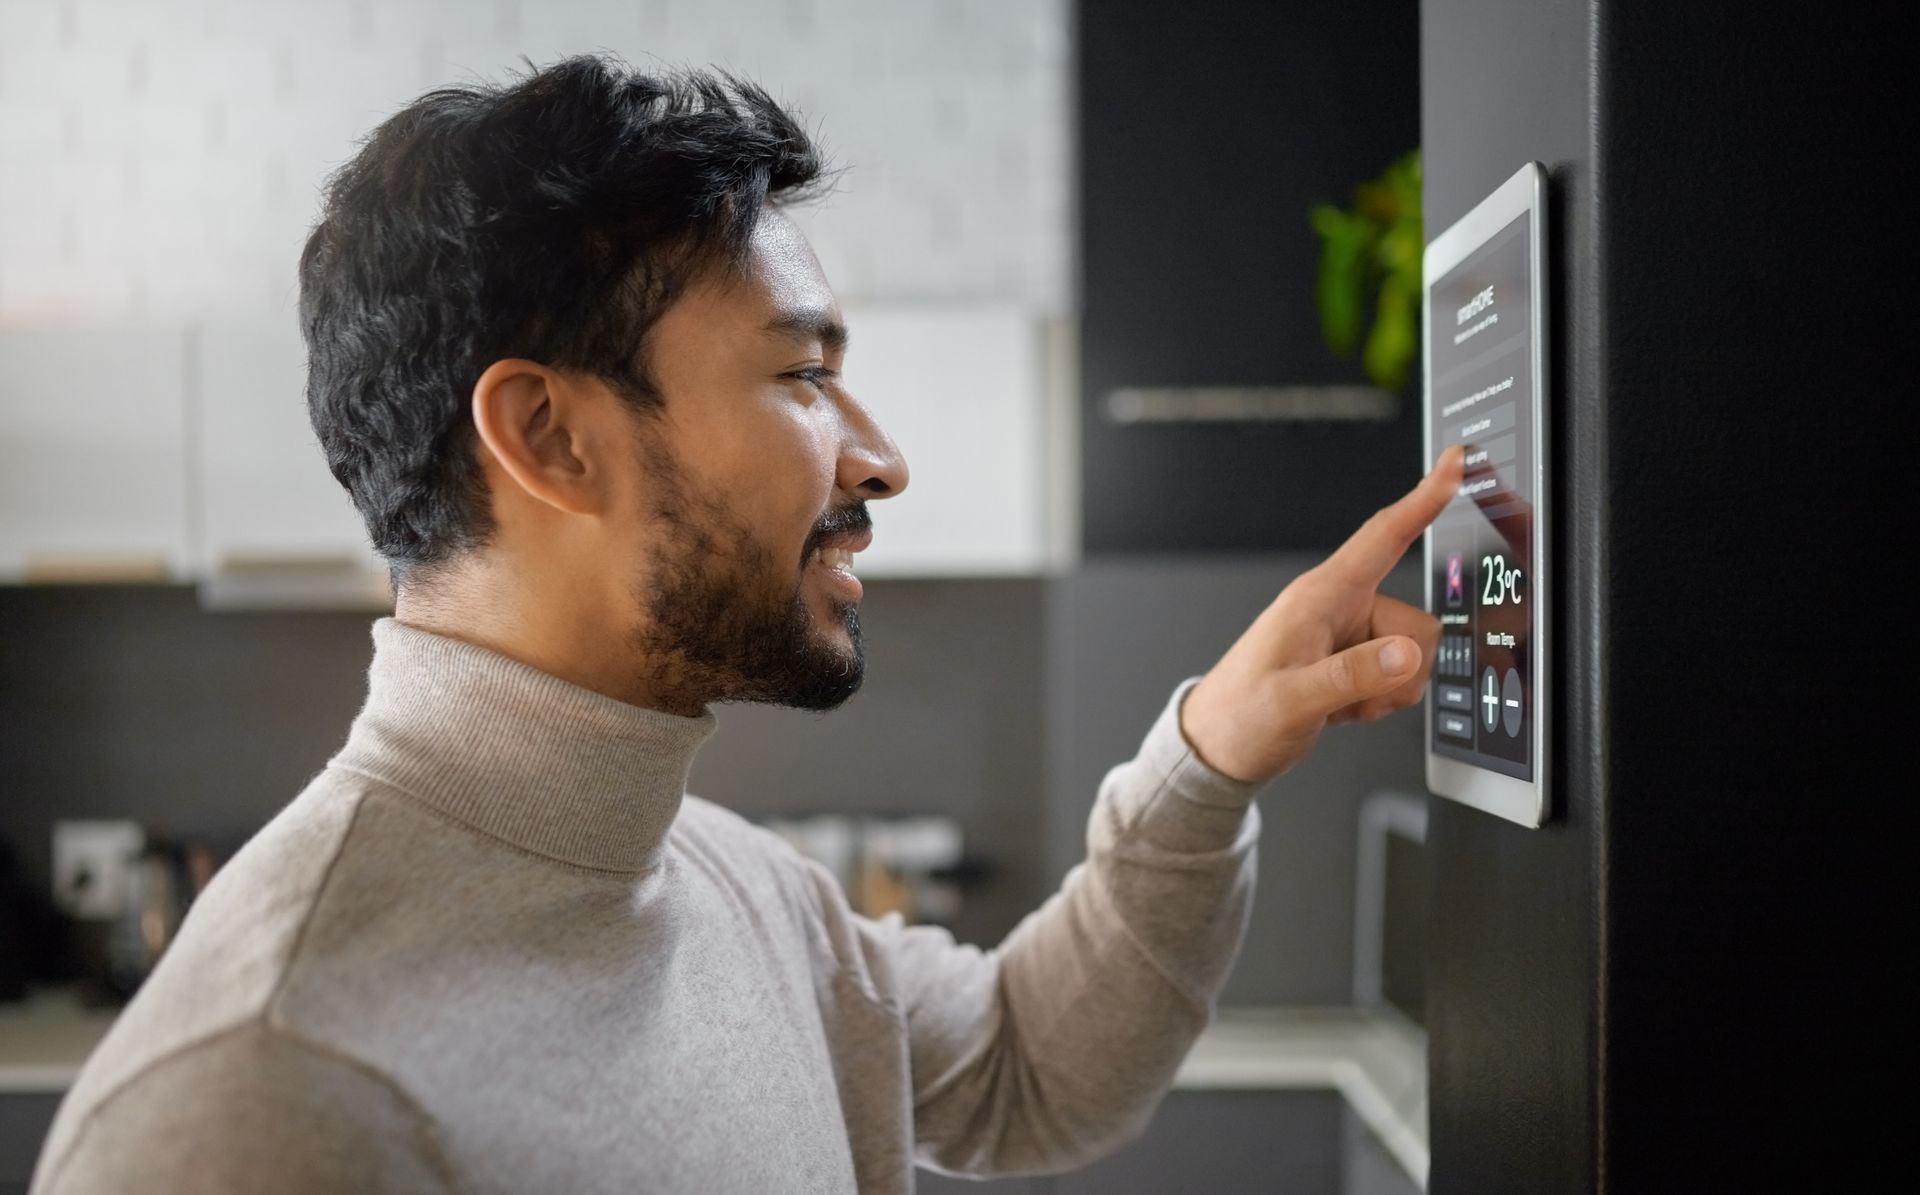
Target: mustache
838,522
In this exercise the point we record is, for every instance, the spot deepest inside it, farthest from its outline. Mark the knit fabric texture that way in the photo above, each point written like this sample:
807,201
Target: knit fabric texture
495,947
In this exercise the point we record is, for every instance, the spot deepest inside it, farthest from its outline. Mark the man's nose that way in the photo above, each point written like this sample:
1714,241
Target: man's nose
870,462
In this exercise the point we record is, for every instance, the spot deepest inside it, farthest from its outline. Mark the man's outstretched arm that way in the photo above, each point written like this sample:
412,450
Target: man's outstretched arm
1054,1048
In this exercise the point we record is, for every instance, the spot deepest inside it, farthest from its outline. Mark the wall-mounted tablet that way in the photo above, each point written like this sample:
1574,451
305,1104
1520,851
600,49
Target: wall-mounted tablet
1487,559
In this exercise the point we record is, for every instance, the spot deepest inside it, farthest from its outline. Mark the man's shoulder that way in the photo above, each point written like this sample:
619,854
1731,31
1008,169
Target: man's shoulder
755,856
248,1104
230,957
701,819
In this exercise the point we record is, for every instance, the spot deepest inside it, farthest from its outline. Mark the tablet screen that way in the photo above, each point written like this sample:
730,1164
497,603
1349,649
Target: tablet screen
1480,354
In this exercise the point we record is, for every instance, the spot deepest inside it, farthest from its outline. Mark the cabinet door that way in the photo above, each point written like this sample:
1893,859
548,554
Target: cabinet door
275,527
93,453
1198,270
1225,1143
962,390
25,1118
265,491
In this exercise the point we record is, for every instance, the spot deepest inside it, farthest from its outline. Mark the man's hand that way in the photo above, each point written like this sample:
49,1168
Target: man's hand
1329,648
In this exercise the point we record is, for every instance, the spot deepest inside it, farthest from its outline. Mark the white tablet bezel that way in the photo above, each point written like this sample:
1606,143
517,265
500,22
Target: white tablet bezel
1522,801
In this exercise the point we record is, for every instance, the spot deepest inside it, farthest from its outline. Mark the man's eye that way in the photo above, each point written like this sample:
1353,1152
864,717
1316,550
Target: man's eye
817,376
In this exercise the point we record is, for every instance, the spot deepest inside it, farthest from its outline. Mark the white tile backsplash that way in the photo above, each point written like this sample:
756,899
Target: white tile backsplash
164,157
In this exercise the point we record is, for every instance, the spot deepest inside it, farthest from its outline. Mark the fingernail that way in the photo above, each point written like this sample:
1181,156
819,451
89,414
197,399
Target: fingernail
1393,658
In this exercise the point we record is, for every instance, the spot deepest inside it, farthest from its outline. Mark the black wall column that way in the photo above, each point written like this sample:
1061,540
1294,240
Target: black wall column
1682,984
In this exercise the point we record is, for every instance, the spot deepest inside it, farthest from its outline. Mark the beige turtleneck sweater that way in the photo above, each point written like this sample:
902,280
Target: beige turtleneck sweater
495,947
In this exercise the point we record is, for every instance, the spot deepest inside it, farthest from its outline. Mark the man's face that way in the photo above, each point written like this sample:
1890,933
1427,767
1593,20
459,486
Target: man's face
752,484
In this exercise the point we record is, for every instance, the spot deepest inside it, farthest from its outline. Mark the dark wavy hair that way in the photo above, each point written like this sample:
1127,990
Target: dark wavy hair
555,218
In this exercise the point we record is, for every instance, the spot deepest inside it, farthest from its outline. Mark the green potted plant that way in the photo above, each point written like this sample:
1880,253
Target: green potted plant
1370,257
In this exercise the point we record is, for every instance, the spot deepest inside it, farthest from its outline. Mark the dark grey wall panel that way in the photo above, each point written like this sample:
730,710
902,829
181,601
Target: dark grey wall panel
132,702
1123,632
926,1182
1225,1143
948,722
24,1120
1511,981
1366,1168
1207,129
1001,703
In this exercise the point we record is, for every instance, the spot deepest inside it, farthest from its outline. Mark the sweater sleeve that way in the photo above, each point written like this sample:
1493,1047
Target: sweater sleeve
1055,1048
250,1110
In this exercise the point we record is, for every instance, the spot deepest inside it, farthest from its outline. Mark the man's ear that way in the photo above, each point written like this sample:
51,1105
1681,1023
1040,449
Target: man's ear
535,424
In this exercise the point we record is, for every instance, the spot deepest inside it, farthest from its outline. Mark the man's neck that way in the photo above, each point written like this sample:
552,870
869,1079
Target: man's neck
575,646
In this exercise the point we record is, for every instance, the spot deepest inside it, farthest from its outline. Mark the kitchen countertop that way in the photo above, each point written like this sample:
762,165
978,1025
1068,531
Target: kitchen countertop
45,1038
1375,1059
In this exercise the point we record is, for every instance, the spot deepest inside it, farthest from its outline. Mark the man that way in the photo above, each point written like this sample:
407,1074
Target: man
582,378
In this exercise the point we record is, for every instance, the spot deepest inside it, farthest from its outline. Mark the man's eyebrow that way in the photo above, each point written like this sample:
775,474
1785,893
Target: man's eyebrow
809,326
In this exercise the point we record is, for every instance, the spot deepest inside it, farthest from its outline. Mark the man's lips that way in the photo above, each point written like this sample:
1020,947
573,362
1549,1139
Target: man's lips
851,541
841,531
836,552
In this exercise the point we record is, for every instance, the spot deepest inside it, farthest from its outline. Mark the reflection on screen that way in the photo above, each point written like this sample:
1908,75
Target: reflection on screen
1481,393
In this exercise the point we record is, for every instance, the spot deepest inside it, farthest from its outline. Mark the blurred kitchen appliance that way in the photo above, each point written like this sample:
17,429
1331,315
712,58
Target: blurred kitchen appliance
914,866
156,901
93,866
125,896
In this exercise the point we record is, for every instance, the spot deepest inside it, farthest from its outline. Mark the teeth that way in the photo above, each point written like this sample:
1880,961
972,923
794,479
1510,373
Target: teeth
838,558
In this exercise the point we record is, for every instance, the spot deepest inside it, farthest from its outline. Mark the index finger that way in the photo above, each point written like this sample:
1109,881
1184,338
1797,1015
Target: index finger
1371,552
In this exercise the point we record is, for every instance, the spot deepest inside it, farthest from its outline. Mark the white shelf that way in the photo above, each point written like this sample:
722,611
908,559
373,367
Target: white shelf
44,1039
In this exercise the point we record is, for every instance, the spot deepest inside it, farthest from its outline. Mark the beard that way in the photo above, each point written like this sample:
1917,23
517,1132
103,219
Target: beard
726,622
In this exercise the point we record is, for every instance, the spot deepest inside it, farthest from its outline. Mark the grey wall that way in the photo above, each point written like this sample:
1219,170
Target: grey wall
999,702
24,1120
1125,631
1223,1143
1365,1166
949,721
131,702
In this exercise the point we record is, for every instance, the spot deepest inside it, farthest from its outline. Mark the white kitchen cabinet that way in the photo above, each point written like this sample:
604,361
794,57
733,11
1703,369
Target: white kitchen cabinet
93,468
974,397
275,527
966,390
184,452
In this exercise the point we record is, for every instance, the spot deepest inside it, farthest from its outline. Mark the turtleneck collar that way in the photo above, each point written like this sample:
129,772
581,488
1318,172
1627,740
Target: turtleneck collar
519,754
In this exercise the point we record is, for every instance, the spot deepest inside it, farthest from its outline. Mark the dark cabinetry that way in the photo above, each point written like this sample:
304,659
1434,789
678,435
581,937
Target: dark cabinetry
1206,1143
24,1120
1207,131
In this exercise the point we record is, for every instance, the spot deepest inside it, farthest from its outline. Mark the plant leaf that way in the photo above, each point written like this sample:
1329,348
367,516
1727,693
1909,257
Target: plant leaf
1394,338
1340,292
